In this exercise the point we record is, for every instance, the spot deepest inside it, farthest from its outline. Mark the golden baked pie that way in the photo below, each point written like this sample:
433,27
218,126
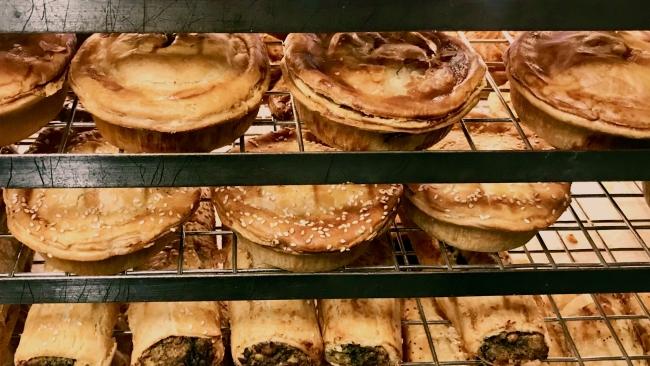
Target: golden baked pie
486,217
583,89
171,93
97,230
32,81
491,45
381,91
305,227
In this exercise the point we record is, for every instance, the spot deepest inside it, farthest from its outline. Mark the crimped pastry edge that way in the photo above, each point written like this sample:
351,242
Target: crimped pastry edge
567,131
465,237
25,116
111,265
312,262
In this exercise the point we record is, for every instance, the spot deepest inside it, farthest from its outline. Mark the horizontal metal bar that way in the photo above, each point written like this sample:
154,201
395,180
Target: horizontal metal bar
128,170
318,16
242,286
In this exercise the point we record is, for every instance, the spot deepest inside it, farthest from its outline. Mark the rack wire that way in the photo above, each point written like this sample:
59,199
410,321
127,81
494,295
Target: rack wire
601,241
606,228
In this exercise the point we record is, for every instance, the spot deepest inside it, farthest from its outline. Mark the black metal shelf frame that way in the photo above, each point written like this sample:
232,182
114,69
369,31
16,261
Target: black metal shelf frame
318,15
543,266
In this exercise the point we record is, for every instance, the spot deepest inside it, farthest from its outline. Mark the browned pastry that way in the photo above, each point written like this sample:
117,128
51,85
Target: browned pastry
583,89
593,338
486,217
646,192
305,228
444,337
273,332
68,334
363,332
181,333
491,52
32,81
381,91
498,330
280,104
274,47
97,231
165,93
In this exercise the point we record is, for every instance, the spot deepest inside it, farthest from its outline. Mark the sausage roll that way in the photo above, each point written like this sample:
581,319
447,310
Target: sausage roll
273,332
360,332
67,335
180,333
495,329
444,337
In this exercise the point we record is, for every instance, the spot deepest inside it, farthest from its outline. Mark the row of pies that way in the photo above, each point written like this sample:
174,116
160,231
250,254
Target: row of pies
297,228
354,91
494,330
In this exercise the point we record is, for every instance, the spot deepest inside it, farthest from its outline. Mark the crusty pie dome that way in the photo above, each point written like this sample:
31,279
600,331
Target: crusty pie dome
170,83
596,80
393,81
512,207
305,218
29,62
91,224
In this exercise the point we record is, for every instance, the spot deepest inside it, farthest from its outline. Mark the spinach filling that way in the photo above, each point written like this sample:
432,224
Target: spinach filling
509,347
174,351
49,361
275,354
356,355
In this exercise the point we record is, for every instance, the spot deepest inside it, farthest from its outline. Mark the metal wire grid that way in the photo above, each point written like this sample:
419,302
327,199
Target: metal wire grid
548,251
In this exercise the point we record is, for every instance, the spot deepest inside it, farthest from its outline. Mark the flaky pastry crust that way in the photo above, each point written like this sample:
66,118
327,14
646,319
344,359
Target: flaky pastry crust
499,208
91,224
585,83
307,218
32,81
170,84
386,83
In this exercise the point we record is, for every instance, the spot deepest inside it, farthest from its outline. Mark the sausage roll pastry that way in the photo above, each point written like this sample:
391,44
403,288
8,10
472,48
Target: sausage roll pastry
593,337
363,332
180,333
444,337
273,332
68,335
495,329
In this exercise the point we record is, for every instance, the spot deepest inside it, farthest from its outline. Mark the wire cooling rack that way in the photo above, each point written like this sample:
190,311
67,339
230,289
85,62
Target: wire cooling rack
600,244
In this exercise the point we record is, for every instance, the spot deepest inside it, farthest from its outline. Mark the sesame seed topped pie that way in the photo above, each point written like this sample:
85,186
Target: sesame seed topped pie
381,91
171,93
486,217
583,89
32,81
306,227
97,230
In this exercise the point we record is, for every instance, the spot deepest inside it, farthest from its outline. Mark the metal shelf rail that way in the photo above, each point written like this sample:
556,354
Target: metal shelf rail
613,251
318,16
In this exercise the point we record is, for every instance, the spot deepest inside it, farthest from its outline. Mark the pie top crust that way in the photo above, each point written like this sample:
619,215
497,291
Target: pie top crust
91,224
598,80
170,83
305,218
410,79
499,206
30,62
